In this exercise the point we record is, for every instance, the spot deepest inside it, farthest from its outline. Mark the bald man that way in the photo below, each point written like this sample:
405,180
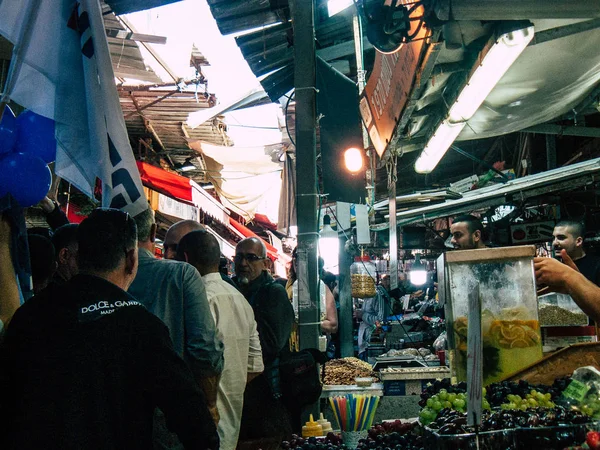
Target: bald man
174,235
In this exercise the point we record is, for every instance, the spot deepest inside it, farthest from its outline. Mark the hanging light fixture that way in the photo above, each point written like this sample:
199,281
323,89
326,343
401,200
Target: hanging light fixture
353,159
494,63
418,272
329,246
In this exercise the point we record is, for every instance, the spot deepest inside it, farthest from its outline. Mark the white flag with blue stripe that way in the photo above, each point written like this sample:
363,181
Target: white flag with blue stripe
61,69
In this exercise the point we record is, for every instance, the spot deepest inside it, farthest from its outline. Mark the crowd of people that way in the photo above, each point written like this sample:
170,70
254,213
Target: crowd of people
120,349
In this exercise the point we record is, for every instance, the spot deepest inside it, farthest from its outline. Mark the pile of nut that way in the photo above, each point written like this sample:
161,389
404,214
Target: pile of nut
345,370
363,285
551,315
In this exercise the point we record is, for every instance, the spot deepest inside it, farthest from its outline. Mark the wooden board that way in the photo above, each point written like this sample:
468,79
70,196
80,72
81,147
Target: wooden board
559,364
490,254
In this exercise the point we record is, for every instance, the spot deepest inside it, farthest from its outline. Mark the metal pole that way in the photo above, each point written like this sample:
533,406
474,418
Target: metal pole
361,75
306,155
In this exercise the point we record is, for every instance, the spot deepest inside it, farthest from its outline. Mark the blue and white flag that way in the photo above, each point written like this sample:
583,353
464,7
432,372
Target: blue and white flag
61,69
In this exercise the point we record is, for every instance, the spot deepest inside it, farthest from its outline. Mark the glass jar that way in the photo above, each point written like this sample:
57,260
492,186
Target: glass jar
363,274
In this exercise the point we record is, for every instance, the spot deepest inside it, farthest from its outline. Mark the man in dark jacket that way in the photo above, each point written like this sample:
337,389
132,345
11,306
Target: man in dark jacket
84,364
264,414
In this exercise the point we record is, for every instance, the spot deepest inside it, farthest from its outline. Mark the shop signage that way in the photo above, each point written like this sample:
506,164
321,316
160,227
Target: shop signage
524,233
389,86
167,205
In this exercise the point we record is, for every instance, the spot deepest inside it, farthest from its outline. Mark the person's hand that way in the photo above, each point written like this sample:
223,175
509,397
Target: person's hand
4,231
551,275
358,313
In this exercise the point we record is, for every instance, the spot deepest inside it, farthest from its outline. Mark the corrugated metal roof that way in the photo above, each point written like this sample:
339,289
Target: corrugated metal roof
158,118
125,53
270,50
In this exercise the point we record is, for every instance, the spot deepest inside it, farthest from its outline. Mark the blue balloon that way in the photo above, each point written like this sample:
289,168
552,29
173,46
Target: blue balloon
35,136
26,177
8,131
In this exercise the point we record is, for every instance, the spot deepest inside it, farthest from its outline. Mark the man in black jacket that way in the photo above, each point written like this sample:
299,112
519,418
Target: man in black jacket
84,365
264,415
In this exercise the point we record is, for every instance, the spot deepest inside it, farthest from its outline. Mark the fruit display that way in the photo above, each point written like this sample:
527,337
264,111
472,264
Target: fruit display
393,435
343,371
446,400
498,392
329,442
539,428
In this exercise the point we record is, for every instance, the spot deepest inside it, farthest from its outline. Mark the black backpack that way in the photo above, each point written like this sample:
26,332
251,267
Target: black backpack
299,375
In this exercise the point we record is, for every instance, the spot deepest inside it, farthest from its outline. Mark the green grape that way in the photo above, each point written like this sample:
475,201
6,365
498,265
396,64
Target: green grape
443,394
430,402
459,403
484,392
447,404
451,397
437,406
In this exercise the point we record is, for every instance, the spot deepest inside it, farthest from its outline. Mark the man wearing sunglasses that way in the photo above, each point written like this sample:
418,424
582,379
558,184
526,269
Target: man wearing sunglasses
264,415
86,364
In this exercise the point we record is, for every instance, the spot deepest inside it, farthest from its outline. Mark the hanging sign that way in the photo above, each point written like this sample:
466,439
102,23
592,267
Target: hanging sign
523,233
389,86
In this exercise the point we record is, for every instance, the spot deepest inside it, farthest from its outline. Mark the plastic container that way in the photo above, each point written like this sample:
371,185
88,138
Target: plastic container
312,428
510,326
325,425
363,274
559,310
583,392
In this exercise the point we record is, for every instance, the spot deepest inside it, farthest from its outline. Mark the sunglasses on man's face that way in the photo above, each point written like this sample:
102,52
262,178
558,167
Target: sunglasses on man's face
250,257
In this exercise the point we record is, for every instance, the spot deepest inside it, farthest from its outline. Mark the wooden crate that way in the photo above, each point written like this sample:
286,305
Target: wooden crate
559,364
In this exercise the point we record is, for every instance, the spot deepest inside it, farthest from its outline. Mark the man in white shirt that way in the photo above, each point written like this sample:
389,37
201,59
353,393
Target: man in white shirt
236,328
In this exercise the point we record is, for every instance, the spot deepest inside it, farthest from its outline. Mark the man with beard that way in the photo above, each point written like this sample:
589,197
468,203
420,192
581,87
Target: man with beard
467,233
264,415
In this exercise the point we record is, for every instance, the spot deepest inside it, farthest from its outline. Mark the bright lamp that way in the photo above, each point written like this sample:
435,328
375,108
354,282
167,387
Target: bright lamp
336,6
418,272
329,247
353,159
494,64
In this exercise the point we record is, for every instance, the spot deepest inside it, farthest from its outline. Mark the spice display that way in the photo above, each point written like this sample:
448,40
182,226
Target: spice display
344,371
363,274
363,286
552,315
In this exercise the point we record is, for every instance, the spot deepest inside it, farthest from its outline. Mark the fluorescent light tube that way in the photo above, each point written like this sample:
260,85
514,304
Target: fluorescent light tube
437,146
494,65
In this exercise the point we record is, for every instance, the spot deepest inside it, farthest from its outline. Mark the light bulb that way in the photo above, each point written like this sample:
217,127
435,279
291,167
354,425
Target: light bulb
353,159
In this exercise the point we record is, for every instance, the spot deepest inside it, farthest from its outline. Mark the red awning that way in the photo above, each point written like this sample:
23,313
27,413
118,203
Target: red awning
271,251
167,183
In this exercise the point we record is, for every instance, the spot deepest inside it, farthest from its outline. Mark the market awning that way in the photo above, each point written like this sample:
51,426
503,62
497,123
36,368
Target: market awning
561,179
167,183
271,251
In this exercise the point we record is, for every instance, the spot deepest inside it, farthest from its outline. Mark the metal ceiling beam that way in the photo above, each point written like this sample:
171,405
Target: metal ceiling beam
548,128
517,9
139,37
568,30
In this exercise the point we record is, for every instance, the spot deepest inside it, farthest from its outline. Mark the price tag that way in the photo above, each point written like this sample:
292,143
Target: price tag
576,390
